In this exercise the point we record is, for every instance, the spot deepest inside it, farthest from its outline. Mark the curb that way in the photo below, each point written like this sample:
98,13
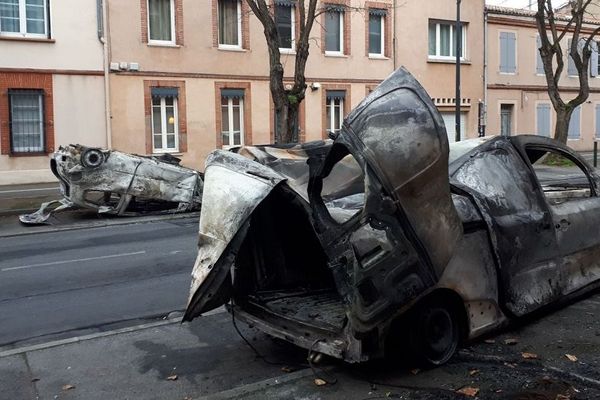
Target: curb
105,223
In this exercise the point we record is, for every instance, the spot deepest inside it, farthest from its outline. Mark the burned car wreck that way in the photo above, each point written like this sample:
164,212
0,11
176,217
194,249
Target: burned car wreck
385,237
116,183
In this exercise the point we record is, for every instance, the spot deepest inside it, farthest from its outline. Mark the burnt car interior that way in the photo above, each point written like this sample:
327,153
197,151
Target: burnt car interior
281,268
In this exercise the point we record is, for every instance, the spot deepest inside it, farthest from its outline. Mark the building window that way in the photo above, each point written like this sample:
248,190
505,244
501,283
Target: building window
334,30
543,120
335,110
508,52
232,117
24,18
575,124
161,21
506,118
26,121
539,65
285,21
377,32
442,40
230,23
165,120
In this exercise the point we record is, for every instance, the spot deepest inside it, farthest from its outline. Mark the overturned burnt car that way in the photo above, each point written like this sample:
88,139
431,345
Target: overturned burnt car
112,182
385,237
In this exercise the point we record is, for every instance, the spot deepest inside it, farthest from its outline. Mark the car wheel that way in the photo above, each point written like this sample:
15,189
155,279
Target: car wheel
434,334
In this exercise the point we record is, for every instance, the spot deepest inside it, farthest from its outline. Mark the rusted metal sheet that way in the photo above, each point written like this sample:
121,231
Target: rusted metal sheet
112,182
388,233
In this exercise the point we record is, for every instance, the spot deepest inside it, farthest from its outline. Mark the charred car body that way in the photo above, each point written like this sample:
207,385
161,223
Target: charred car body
117,183
348,247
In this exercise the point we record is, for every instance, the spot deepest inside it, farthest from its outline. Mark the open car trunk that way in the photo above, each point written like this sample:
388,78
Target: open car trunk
281,271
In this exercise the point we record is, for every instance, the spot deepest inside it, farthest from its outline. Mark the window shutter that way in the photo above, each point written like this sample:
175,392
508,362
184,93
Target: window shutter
503,66
511,61
539,69
165,92
594,58
574,124
336,94
571,69
232,93
543,120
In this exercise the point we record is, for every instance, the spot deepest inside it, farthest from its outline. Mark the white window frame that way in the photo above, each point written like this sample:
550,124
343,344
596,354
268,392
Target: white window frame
452,56
382,53
23,23
173,30
341,33
163,125
239,22
293,31
231,131
331,106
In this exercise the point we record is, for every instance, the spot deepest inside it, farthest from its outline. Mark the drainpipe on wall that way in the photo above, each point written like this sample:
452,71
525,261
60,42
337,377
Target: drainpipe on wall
394,35
102,16
485,70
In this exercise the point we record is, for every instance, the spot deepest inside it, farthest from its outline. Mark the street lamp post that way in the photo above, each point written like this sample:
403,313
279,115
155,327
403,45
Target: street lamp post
458,52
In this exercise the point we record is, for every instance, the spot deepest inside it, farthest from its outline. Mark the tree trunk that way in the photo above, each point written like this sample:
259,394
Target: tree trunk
561,129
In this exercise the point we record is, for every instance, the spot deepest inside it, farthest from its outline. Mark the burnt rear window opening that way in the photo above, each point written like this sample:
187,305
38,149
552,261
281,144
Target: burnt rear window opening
343,191
281,268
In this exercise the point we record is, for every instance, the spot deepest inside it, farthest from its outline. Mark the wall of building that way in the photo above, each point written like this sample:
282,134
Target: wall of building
526,87
69,68
438,78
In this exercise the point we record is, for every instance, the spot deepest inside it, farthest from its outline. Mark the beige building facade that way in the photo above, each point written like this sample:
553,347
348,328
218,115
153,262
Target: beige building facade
517,98
52,86
188,78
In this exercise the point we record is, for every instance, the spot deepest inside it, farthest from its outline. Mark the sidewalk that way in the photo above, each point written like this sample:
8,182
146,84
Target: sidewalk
18,199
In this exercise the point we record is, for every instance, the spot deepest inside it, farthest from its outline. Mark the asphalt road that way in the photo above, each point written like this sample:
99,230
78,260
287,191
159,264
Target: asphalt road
62,284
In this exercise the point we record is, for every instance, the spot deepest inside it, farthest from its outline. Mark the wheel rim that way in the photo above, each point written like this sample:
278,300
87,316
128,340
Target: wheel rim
440,335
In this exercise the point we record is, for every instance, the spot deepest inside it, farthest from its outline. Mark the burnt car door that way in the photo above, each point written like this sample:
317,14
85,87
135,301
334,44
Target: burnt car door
389,236
570,188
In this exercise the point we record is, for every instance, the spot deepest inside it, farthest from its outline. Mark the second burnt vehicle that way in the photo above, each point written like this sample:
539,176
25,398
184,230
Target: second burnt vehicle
385,236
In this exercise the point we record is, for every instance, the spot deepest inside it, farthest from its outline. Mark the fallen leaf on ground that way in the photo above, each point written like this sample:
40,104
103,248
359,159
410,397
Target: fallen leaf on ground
562,397
529,356
511,341
415,371
473,372
510,365
571,357
172,377
489,341
68,387
35,379
287,369
468,391
320,382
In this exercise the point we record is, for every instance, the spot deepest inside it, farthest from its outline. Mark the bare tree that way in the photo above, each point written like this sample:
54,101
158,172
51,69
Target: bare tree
286,101
552,29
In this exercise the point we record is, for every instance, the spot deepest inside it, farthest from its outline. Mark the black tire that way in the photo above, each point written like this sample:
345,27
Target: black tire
435,334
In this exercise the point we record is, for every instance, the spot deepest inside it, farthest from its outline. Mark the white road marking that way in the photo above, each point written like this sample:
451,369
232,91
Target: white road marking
28,190
72,261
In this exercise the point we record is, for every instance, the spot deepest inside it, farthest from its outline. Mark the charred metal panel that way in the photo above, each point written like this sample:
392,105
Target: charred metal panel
112,182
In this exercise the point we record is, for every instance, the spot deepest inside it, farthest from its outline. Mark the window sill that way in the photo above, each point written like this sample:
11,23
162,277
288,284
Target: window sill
168,45
33,154
27,39
235,49
158,153
573,139
287,51
378,57
447,61
507,73
336,55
